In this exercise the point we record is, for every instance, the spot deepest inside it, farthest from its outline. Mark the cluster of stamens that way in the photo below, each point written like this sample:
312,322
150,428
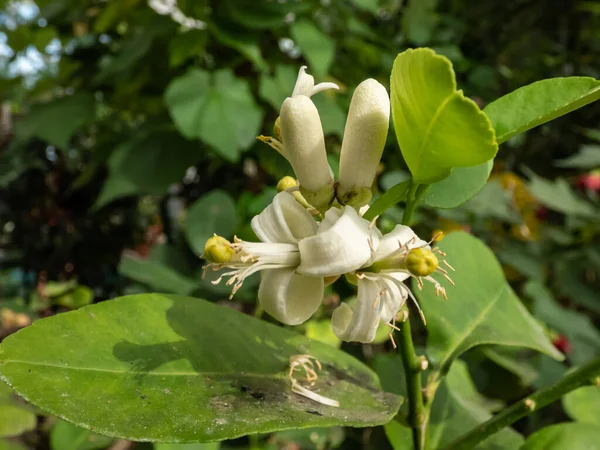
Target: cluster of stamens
305,363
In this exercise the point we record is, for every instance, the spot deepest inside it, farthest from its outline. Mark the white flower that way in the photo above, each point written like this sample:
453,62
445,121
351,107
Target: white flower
294,256
364,138
381,285
305,84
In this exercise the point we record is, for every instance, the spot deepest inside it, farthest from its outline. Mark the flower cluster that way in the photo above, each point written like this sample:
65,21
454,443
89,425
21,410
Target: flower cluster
313,232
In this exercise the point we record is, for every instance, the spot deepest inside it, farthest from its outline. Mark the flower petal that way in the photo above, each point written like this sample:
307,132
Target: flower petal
284,221
398,237
359,323
304,142
340,246
289,297
393,298
305,83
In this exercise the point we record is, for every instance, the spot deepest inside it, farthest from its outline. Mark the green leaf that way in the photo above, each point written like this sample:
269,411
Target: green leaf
583,405
78,297
193,446
419,21
392,197
559,196
56,121
275,89
481,308
367,5
179,369
587,158
66,436
210,214
245,43
148,164
571,436
156,275
6,444
15,420
217,108
437,127
462,184
187,45
577,327
493,202
538,103
316,46
507,358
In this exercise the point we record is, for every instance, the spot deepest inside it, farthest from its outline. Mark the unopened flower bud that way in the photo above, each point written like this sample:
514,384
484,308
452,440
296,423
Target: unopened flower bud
304,145
218,250
364,138
277,129
286,183
421,262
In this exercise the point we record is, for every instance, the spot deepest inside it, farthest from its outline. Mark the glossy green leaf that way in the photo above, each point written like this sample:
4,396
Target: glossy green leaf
192,446
559,196
583,405
462,184
66,436
210,214
481,307
217,108
571,436
148,164
15,420
437,127
56,121
538,103
316,46
179,369
587,158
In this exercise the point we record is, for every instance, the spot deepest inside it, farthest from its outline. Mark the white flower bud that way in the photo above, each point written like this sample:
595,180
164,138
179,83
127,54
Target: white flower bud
364,138
304,145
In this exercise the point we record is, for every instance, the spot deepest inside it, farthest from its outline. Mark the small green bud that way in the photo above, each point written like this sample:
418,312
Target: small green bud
421,262
218,250
277,129
286,183
321,199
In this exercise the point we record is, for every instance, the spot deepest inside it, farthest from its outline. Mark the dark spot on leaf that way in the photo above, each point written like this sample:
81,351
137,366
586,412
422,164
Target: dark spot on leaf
312,411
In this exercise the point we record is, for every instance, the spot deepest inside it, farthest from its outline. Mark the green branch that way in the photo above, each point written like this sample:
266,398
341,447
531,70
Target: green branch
577,378
417,414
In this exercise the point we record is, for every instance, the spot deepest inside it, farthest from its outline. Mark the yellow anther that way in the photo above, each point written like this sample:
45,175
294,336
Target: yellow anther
277,129
438,235
218,250
286,183
421,262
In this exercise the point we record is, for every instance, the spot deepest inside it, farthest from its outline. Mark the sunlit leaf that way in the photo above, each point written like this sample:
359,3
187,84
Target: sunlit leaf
437,127
540,102
179,369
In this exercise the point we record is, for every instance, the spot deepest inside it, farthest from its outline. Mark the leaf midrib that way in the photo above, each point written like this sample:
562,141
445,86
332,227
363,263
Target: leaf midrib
428,130
129,372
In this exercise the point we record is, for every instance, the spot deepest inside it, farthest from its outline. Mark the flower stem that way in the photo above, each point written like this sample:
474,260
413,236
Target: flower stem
577,378
417,414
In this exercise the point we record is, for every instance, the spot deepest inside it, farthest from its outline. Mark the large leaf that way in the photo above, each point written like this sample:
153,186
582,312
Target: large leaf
316,46
178,369
481,308
194,446
583,404
56,121
66,436
148,164
211,213
437,127
215,107
540,102
571,436
462,184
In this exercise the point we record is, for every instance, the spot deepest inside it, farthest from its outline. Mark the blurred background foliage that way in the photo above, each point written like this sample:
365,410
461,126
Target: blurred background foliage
127,137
